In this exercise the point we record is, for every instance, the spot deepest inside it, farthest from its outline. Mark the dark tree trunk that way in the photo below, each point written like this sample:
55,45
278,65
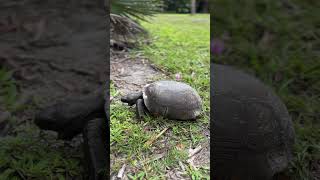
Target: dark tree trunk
193,6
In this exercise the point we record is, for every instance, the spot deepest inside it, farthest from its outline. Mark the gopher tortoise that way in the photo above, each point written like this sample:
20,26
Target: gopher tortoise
253,134
169,99
87,115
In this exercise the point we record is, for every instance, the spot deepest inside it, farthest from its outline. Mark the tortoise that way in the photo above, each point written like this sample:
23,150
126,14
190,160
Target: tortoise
253,132
169,99
87,115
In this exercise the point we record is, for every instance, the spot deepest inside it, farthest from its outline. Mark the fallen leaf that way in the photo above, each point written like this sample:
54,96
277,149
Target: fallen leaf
121,171
180,146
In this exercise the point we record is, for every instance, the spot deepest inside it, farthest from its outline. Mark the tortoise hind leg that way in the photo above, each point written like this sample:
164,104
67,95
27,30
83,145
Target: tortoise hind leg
95,148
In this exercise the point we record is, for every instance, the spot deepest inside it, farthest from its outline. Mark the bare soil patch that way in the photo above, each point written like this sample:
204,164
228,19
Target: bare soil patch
56,50
130,73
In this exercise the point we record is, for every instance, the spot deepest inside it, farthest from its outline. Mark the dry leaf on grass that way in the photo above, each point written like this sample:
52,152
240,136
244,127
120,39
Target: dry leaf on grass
121,171
180,146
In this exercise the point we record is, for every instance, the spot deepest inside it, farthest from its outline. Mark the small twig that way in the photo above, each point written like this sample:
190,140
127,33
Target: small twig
156,68
192,152
64,85
190,161
82,71
157,157
191,156
122,60
150,141
205,168
21,175
182,166
56,66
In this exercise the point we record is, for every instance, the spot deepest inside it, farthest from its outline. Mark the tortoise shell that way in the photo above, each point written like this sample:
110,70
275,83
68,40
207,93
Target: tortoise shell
172,100
253,132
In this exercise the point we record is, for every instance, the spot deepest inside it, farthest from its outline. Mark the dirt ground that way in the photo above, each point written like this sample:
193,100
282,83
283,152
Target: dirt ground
130,74
56,50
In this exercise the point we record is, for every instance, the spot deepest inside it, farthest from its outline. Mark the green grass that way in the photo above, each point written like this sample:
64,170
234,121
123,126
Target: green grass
24,157
180,44
30,155
8,90
280,45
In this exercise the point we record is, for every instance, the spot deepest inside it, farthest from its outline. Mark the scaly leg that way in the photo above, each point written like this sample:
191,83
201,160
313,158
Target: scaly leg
141,109
95,148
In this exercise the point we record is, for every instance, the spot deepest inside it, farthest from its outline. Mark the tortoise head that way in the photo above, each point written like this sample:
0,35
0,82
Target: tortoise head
131,98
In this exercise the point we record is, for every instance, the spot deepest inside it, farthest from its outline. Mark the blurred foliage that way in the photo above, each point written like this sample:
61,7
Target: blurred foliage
8,90
136,9
183,6
26,157
126,13
27,154
278,41
177,6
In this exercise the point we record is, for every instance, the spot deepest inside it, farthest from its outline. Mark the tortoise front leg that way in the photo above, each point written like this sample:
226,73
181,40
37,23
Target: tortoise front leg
95,148
141,109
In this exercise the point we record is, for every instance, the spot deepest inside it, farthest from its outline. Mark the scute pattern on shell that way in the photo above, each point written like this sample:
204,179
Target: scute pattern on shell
171,99
253,132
